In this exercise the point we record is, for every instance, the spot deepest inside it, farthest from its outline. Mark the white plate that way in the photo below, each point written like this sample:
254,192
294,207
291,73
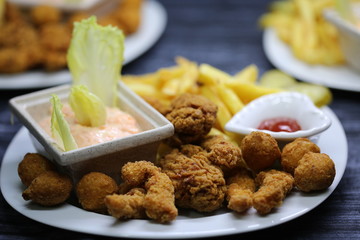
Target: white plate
187,225
69,5
279,54
153,24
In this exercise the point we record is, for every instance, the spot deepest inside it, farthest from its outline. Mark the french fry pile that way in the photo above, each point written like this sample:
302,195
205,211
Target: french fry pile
229,92
301,25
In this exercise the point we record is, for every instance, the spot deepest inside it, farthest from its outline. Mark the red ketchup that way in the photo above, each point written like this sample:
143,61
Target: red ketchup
280,124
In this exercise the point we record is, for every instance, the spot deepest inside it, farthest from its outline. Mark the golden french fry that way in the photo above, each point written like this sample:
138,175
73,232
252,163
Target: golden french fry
210,75
230,99
223,114
248,74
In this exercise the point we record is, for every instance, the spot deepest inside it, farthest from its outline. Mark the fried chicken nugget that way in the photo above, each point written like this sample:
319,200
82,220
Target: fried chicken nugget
222,152
198,184
259,150
49,189
274,185
315,172
159,200
127,206
44,14
294,151
92,189
241,187
193,116
31,166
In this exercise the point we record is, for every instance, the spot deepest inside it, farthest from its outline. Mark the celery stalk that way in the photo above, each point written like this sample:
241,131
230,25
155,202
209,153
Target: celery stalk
95,58
59,127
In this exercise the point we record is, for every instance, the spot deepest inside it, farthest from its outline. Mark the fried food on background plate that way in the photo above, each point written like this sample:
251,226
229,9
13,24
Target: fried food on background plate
49,189
31,166
273,186
92,189
45,14
158,200
260,150
241,187
193,116
294,151
198,184
315,172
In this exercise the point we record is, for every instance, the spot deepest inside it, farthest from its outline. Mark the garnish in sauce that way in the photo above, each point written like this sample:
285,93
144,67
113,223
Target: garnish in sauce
280,124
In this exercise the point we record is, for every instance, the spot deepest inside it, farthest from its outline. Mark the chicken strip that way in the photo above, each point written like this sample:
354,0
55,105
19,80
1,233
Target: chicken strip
274,185
241,187
159,199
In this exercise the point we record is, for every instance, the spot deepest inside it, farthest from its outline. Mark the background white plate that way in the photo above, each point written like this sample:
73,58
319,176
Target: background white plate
69,5
188,224
279,54
152,26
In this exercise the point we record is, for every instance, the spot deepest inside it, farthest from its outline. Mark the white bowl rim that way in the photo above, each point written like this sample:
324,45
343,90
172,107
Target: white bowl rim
233,124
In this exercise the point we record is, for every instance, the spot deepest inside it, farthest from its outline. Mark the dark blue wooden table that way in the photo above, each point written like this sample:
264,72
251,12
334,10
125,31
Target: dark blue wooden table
225,34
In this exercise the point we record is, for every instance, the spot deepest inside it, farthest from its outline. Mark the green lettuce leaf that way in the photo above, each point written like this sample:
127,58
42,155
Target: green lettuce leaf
88,108
59,127
95,58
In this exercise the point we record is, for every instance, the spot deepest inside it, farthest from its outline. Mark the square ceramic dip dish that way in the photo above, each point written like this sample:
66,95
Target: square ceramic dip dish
106,157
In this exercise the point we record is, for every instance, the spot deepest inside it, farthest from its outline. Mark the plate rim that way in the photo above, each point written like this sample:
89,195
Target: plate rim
275,49
130,229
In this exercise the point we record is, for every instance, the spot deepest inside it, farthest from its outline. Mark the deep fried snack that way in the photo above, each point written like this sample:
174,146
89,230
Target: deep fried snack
222,152
241,187
55,36
193,116
259,150
294,151
198,184
127,206
93,188
44,14
31,166
274,185
315,172
128,15
159,201
49,189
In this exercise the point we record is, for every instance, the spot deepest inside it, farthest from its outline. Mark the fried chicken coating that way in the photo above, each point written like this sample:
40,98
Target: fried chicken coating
31,166
193,116
49,189
294,151
260,150
241,187
44,14
198,184
92,189
222,152
315,172
127,206
274,185
159,201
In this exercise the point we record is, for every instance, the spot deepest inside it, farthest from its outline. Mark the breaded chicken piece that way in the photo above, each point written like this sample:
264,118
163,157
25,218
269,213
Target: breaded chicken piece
159,200
127,206
92,189
274,185
241,187
193,116
198,184
315,172
294,151
49,189
259,150
44,14
222,152
31,166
